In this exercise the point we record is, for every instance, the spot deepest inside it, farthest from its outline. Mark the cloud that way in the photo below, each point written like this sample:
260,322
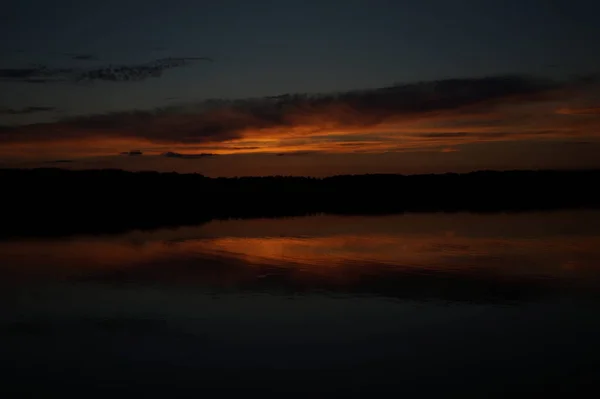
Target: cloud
132,153
446,135
82,57
295,153
25,111
112,73
463,135
125,73
243,148
171,154
39,80
579,111
37,74
61,161
436,114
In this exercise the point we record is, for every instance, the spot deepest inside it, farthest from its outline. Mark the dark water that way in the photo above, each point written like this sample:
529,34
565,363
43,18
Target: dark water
424,305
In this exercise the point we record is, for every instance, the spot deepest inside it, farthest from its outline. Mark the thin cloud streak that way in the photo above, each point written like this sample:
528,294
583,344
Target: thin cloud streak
25,111
170,154
133,153
81,57
110,73
579,111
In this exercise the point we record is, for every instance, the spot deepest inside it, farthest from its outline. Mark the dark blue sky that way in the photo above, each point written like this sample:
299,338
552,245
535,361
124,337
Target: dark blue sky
274,47
54,55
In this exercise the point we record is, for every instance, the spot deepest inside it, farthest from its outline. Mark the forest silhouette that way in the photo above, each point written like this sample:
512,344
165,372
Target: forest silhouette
55,202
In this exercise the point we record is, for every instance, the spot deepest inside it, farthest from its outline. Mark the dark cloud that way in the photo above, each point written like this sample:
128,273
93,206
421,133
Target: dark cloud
39,80
35,74
216,121
295,153
460,135
61,161
82,57
579,111
19,73
170,154
349,139
449,93
445,135
167,125
24,111
351,144
113,73
132,153
125,73
242,148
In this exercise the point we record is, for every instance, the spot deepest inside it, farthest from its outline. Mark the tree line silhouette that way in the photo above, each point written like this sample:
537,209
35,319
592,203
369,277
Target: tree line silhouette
53,201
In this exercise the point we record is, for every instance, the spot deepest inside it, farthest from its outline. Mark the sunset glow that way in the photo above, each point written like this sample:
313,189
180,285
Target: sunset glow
425,117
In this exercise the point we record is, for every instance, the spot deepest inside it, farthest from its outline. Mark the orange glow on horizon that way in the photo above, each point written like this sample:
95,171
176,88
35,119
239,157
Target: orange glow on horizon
380,138
336,129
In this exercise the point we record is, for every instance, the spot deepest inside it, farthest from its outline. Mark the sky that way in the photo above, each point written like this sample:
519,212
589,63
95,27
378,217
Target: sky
300,87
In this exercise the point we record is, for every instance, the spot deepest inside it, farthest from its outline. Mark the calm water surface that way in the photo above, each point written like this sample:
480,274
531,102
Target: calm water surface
423,304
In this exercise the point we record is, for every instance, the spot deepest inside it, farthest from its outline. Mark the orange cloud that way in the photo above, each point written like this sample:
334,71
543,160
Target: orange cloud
411,117
579,111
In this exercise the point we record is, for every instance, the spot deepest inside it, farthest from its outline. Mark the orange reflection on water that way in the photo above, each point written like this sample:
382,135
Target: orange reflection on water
76,256
444,251
338,248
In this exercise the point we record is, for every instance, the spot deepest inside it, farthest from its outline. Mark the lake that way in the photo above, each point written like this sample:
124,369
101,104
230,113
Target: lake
480,305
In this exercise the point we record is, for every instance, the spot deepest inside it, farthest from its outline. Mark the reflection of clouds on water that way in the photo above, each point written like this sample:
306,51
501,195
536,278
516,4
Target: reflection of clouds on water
385,298
371,257
405,251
